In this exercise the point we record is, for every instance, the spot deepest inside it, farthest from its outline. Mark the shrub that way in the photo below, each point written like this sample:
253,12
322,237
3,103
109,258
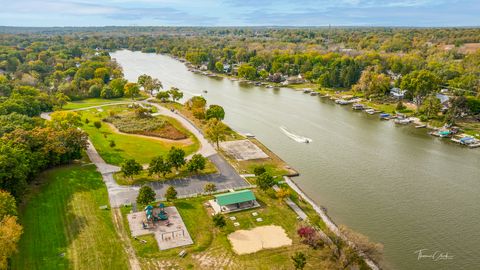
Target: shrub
112,143
171,193
210,187
310,237
219,220
97,124
259,170
299,260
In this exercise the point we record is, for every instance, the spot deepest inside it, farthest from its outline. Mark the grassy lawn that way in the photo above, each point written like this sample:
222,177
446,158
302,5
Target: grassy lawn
63,225
143,177
90,102
471,128
128,146
212,249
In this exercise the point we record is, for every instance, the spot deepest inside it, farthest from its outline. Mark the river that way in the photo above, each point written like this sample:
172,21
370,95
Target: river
395,184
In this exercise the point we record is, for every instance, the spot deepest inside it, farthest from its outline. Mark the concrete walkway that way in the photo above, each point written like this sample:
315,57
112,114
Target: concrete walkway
293,205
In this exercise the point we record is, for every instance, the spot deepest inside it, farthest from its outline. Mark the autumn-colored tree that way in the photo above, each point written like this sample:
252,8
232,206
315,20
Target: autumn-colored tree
216,131
131,90
65,119
10,230
282,193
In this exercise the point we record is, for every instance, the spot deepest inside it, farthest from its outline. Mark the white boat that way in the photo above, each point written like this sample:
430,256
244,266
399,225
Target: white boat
341,101
295,137
358,106
370,111
403,121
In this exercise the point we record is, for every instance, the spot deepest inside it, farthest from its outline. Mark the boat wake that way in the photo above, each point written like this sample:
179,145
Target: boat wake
296,137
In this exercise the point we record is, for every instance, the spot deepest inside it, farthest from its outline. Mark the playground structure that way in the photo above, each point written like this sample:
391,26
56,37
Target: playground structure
151,217
165,223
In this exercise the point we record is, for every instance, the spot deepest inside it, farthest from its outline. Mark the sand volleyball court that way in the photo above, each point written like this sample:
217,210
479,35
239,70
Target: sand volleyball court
264,237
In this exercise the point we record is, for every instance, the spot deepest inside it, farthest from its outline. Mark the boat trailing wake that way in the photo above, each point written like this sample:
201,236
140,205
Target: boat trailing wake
296,137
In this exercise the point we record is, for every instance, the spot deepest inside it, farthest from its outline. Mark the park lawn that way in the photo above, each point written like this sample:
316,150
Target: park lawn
63,225
90,102
212,249
143,177
127,146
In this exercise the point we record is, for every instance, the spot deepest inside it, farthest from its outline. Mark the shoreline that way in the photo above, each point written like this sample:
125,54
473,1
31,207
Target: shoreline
332,96
331,225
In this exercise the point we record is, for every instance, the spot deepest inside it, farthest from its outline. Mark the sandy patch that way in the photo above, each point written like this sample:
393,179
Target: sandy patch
264,237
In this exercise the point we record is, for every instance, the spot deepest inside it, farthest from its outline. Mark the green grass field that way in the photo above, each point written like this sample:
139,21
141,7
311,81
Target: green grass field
64,227
142,149
90,102
212,249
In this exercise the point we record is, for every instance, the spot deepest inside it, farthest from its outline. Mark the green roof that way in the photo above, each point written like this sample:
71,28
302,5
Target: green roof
235,197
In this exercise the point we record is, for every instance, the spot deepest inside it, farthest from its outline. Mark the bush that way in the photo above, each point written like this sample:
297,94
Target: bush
299,260
310,237
219,220
112,144
97,124
259,170
171,193
210,187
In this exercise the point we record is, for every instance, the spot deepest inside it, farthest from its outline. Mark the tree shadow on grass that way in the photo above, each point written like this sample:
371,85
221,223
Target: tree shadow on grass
184,205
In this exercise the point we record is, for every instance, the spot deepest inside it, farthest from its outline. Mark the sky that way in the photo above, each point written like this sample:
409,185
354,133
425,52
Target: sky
421,13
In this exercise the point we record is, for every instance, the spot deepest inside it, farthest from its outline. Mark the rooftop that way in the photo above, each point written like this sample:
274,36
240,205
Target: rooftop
235,197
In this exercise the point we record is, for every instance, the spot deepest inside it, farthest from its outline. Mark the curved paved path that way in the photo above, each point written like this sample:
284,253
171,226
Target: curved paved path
226,178
206,149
